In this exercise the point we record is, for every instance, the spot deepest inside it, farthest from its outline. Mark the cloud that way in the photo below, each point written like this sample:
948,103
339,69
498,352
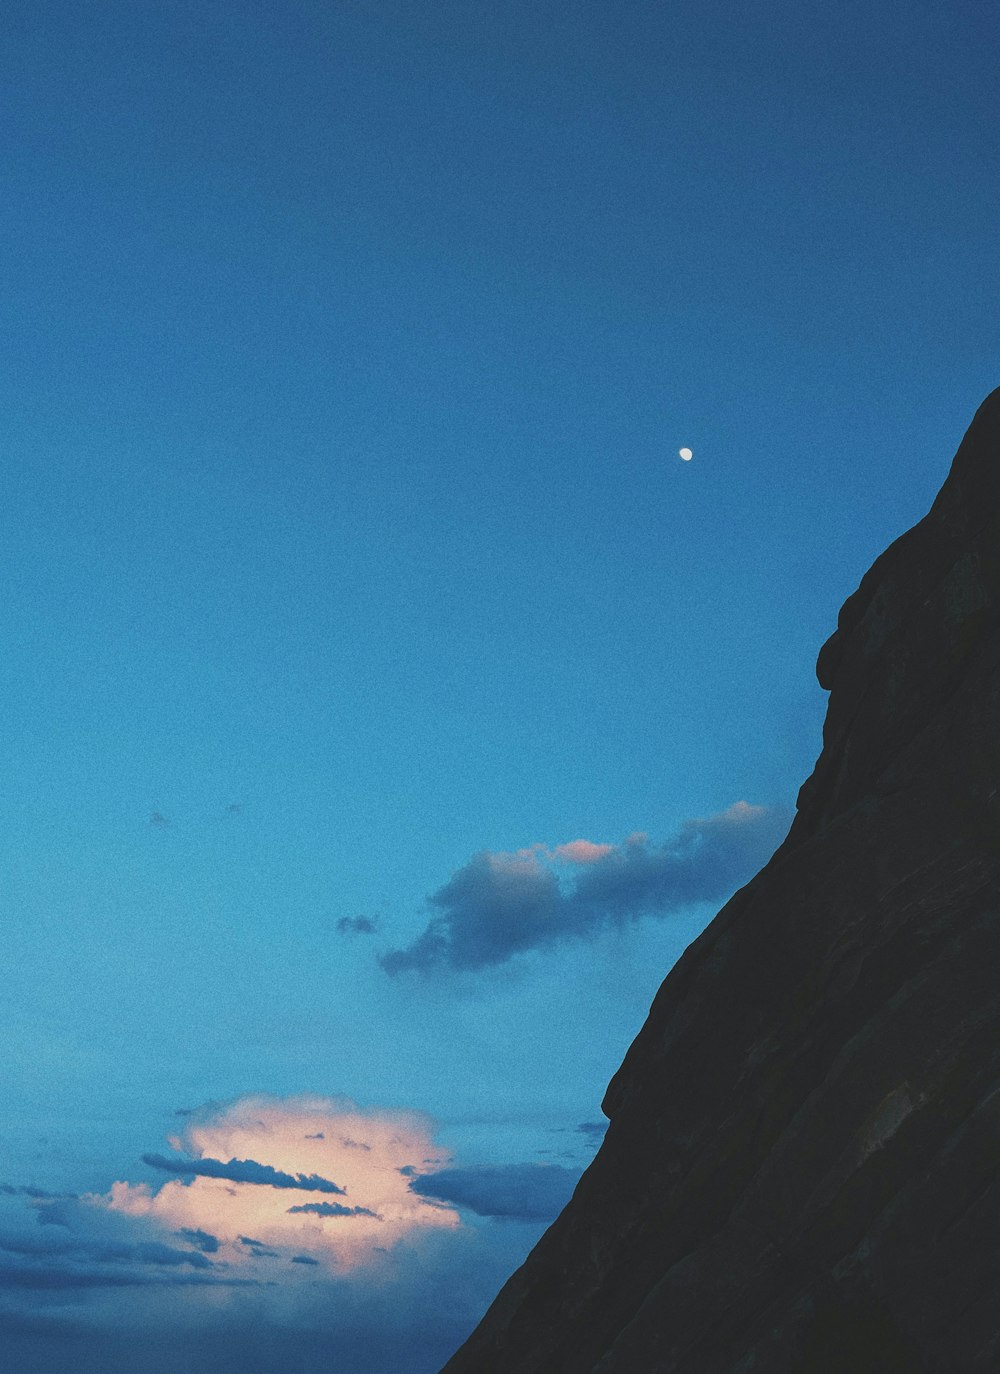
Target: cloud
214,1274
581,852
494,907
257,1248
39,1193
293,1315
334,1209
500,905
61,1276
143,1252
205,1242
525,1192
292,1146
593,1130
357,925
242,1171
94,1251
53,1214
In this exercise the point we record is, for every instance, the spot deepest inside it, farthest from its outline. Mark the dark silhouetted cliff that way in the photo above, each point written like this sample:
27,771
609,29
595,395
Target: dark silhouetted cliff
802,1171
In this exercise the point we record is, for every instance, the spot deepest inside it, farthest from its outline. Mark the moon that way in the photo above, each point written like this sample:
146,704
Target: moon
686,454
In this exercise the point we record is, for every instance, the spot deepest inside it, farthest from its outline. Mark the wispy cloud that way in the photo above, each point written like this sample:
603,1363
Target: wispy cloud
357,925
242,1171
257,1248
333,1209
522,1192
500,905
106,1252
57,1276
208,1243
10,1190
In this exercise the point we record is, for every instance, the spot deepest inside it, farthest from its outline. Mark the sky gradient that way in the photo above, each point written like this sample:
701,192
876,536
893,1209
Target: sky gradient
386,703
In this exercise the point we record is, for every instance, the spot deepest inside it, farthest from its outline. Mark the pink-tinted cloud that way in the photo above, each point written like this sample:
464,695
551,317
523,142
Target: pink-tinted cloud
297,1139
500,905
261,1280
581,852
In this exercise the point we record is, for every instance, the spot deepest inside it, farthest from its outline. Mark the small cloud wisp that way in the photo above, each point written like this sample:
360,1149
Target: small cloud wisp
510,1192
242,1171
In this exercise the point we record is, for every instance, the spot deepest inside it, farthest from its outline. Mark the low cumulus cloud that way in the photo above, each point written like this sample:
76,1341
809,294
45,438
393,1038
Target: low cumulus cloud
500,905
514,1192
218,1275
247,1165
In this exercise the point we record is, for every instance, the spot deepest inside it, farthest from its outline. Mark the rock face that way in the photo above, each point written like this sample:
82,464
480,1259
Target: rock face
802,1171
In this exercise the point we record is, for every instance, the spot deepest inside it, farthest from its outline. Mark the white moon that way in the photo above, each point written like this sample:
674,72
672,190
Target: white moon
686,454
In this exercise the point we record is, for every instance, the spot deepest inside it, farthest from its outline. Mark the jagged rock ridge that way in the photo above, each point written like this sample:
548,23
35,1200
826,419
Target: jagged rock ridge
802,1171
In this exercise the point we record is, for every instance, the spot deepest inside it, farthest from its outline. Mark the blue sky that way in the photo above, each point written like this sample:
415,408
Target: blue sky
351,573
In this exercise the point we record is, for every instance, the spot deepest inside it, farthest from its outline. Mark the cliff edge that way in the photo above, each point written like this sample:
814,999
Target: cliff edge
802,1170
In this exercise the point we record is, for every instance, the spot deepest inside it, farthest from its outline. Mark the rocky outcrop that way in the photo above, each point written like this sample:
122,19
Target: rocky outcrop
802,1170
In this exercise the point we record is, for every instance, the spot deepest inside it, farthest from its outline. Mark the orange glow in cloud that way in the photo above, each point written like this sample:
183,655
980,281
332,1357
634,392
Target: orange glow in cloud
362,1152
581,852
527,860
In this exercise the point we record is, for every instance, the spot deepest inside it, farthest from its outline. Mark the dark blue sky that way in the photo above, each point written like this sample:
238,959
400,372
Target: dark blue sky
351,573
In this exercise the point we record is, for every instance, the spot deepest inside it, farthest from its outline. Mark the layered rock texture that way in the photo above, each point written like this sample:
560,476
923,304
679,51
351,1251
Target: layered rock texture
802,1171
